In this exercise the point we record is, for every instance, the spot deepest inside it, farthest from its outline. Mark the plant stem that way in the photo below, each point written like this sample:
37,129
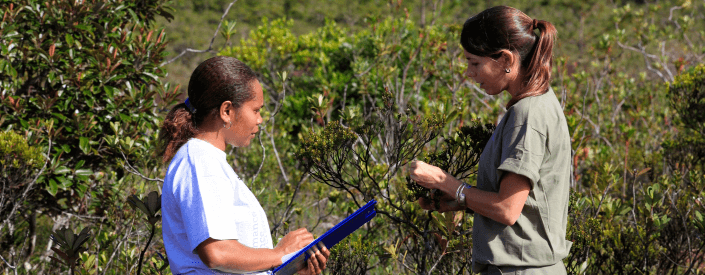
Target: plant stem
139,265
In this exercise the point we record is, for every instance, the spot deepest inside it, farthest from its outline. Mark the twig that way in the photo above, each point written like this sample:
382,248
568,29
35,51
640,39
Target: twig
646,60
276,154
430,271
210,46
670,16
597,210
400,96
132,170
8,264
264,127
264,154
476,96
290,205
107,266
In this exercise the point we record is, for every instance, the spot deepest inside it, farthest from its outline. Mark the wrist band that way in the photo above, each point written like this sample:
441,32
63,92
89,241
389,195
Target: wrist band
459,195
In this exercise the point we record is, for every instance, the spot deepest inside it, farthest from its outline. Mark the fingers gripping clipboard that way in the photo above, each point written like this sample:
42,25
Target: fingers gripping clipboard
329,239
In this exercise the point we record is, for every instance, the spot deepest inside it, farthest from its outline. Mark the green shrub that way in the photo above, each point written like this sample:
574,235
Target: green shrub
687,97
19,159
85,75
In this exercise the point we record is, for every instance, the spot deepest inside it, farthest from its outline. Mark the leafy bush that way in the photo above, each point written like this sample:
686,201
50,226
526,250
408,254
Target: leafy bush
19,160
370,96
687,97
85,75
20,166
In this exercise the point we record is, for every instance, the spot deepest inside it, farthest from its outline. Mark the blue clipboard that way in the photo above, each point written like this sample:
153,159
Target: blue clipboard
330,238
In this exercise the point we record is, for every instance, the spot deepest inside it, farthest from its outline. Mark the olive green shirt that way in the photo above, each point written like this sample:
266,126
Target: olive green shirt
532,140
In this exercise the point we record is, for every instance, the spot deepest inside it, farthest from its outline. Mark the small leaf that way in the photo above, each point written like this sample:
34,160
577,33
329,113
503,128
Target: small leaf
69,237
152,201
137,203
61,170
84,172
647,169
55,259
60,253
84,145
52,187
83,237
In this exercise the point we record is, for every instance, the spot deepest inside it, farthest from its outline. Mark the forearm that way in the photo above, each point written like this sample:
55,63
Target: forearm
503,207
489,204
248,260
233,257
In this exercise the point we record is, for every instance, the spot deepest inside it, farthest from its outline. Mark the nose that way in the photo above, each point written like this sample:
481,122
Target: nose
468,73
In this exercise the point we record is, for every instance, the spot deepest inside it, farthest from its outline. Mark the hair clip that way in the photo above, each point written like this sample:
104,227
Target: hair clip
188,105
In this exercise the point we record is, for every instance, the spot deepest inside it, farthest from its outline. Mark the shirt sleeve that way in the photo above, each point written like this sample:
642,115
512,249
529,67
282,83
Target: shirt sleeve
523,149
208,207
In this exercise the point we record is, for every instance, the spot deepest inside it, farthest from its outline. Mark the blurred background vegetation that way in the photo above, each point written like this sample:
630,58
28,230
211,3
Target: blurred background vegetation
354,90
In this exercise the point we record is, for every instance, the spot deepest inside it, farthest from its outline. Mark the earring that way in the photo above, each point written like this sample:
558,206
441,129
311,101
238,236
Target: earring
507,70
231,125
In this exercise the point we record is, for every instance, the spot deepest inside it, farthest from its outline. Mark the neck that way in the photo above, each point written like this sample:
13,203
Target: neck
214,137
516,86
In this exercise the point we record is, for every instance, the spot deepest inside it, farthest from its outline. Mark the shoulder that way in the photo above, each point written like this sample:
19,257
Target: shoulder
197,158
537,112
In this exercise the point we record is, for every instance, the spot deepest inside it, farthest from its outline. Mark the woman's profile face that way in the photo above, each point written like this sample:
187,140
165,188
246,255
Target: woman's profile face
486,72
246,119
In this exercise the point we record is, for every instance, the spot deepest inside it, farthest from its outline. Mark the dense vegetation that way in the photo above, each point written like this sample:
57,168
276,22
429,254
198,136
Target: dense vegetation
351,98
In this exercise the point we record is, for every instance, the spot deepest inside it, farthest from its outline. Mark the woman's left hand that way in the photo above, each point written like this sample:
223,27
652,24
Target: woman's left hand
317,262
445,203
427,175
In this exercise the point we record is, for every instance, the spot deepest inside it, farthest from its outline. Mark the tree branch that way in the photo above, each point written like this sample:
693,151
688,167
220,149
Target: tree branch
210,46
134,171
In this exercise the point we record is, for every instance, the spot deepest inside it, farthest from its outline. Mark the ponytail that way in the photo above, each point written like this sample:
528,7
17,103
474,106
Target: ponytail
178,127
540,60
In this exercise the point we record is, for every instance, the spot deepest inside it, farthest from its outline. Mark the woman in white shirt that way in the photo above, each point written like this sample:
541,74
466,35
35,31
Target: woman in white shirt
212,223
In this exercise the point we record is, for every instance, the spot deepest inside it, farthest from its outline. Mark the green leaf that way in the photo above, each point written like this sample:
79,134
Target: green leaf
82,237
62,170
84,145
153,202
84,172
52,187
110,91
69,40
69,237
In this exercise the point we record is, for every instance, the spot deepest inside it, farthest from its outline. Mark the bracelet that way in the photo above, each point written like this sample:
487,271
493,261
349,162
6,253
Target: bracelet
459,195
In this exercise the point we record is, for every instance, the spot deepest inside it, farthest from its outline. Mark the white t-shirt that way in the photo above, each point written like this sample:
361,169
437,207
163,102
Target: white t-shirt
202,197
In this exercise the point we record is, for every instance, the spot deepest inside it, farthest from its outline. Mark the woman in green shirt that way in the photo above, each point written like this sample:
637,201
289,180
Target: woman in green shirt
523,183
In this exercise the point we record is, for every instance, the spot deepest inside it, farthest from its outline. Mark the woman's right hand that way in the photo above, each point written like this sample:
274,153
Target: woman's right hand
294,241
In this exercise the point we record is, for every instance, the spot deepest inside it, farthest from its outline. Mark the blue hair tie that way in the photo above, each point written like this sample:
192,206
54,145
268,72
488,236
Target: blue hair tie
188,105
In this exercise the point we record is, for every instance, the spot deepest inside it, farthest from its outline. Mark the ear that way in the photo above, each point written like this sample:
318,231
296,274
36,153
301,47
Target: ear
507,59
226,110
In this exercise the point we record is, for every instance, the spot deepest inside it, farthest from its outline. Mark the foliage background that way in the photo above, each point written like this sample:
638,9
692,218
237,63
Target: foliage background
625,72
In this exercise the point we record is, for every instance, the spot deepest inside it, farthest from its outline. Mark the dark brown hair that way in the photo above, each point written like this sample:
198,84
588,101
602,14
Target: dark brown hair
213,82
506,28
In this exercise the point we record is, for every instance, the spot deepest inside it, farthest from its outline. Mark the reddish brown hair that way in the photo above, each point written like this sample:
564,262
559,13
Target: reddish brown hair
213,82
506,28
